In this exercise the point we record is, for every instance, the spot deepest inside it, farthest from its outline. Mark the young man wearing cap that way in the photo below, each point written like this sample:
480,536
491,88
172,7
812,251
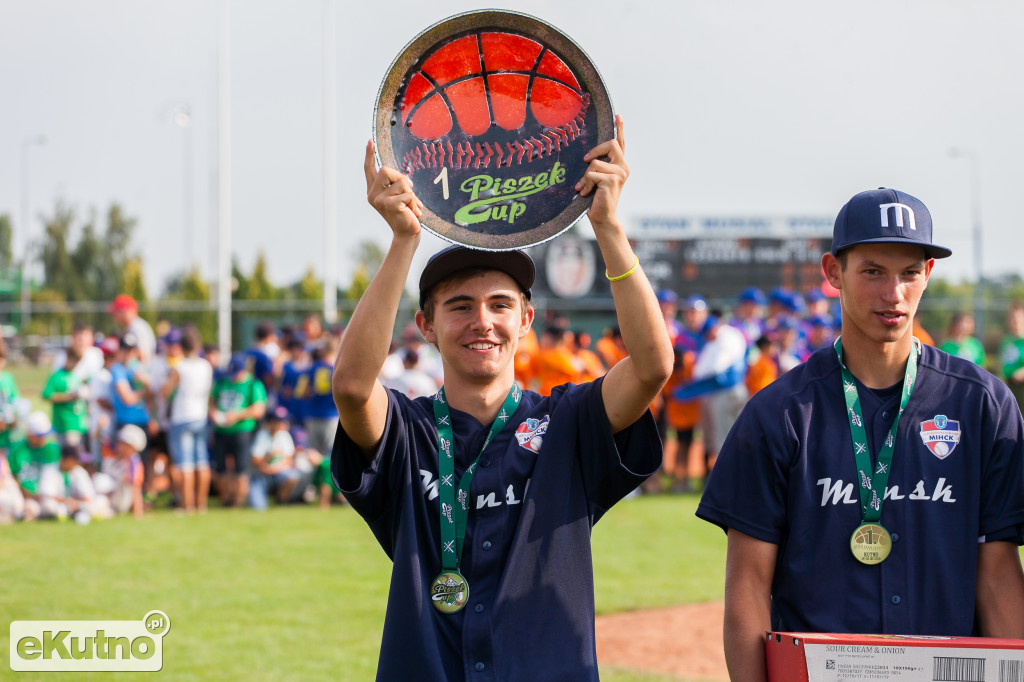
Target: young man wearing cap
878,487
514,600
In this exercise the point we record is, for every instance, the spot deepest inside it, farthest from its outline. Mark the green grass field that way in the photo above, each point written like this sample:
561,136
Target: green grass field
296,593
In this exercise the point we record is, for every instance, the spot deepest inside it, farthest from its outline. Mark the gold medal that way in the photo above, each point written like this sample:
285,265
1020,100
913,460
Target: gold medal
449,592
870,543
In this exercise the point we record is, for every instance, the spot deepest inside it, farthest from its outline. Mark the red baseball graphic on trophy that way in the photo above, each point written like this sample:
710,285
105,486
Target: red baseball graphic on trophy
491,113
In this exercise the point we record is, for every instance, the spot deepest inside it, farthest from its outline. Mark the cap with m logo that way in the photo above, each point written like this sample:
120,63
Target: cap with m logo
885,216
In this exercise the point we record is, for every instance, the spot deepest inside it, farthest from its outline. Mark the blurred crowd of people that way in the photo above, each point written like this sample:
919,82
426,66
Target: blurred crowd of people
134,412
723,357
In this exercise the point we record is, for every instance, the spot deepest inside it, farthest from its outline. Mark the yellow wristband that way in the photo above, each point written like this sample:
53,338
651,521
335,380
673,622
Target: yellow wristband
636,263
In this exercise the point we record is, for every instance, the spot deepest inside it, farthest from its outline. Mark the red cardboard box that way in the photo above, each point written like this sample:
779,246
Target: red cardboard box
816,657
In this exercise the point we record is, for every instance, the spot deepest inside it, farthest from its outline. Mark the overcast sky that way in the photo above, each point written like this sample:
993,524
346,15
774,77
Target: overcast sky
733,108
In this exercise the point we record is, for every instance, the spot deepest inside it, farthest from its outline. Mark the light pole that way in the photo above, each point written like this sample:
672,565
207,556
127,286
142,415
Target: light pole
26,199
224,179
330,168
183,119
972,157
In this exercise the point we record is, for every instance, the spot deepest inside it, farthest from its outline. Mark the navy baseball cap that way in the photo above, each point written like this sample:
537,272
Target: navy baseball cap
667,296
885,216
695,302
752,295
447,262
821,321
237,363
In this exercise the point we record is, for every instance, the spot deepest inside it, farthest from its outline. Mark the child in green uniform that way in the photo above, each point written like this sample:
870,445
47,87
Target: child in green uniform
68,394
960,340
237,402
1011,352
9,397
35,462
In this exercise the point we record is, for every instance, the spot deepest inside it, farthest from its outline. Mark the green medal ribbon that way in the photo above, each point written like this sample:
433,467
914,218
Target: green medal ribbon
454,516
872,486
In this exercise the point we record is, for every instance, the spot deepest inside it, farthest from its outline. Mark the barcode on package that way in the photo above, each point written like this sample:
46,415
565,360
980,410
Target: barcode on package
1011,671
946,669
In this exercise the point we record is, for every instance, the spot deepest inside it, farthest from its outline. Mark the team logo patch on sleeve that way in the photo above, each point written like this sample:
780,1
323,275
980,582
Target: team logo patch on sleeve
530,433
941,435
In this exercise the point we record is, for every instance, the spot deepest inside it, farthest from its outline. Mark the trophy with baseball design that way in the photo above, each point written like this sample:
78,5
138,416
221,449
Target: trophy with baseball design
490,113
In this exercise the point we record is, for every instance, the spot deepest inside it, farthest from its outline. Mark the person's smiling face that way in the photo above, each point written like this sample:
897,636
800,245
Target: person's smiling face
477,323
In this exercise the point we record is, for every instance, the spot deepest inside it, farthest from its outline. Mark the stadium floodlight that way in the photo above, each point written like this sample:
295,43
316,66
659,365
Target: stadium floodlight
26,199
975,180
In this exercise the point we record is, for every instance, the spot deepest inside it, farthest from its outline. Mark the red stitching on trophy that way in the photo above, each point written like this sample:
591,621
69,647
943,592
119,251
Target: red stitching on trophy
539,146
521,150
545,139
529,150
534,147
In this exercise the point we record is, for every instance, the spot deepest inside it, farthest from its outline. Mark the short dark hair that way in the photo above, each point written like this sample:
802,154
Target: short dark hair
191,340
461,276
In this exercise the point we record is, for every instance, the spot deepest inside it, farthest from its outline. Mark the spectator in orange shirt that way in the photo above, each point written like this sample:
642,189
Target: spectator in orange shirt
922,334
681,418
555,363
764,370
593,367
525,354
610,346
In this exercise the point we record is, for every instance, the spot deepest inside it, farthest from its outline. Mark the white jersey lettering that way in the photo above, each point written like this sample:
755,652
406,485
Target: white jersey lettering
837,492
919,493
429,485
894,493
943,492
487,501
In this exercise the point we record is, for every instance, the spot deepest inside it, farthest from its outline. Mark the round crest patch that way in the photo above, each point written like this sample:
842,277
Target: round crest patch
490,113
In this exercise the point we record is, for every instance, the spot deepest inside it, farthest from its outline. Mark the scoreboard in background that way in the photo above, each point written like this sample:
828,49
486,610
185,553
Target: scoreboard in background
713,256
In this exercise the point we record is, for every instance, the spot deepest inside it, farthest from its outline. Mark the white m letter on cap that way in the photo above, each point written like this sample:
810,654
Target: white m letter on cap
899,215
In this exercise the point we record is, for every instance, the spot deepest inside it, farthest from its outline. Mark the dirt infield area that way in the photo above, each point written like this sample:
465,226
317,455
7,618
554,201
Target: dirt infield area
682,641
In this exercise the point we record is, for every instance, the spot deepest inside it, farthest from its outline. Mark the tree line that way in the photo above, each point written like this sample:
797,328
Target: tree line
86,258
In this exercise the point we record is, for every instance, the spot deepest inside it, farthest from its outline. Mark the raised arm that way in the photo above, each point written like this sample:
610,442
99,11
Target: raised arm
632,384
361,399
749,569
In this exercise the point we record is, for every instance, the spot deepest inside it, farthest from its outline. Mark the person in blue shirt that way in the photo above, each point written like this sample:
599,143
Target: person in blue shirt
533,473
261,357
132,399
879,486
294,387
321,414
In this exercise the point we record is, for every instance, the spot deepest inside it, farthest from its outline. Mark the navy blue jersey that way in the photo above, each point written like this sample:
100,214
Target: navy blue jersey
294,389
787,475
540,486
261,367
320,398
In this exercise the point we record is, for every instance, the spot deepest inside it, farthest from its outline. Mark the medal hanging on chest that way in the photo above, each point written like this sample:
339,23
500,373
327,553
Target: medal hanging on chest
870,541
449,593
